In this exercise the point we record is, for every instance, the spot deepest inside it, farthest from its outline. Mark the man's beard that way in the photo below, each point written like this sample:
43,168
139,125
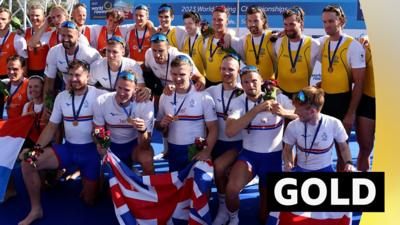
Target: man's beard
293,35
68,44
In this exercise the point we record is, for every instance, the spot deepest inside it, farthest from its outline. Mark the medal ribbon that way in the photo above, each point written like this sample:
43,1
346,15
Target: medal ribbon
294,62
76,115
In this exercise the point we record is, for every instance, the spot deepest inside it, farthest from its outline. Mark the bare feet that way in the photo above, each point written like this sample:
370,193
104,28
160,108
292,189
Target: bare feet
32,216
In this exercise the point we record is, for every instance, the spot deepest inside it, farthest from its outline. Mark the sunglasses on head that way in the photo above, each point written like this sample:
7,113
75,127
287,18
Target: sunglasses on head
142,6
294,11
247,69
158,37
303,99
118,39
164,8
127,75
185,59
69,24
232,55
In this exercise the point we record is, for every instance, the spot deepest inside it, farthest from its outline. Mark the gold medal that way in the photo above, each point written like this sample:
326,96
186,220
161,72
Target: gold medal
225,117
140,50
129,120
330,69
75,123
293,70
210,59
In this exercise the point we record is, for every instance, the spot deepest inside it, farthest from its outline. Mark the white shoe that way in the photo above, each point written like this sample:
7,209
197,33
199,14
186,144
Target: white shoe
233,218
221,218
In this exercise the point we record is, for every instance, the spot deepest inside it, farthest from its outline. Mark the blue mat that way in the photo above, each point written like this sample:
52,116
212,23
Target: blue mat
62,205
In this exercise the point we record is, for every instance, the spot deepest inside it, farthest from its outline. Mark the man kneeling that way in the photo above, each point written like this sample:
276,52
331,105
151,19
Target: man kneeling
75,108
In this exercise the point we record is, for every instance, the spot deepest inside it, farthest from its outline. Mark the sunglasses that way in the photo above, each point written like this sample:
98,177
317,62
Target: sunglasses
164,8
185,59
127,75
158,37
294,11
302,99
232,55
142,6
247,69
69,24
118,39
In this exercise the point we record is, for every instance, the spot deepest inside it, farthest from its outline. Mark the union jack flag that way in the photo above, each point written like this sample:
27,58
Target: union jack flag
310,218
170,198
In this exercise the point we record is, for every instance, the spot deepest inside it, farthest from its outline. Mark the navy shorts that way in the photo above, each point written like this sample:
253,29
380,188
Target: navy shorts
85,156
177,157
262,163
221,147
124,151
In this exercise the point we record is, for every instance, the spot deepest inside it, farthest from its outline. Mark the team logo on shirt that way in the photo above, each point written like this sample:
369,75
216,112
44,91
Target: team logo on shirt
324,136
115,114
86,104
192,103
68,104
61,62
105,78
264,120
218,99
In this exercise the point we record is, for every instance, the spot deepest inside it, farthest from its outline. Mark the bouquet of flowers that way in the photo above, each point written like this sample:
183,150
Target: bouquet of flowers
31,156
102,137
4,90
199,145
270,88
49,100
238,92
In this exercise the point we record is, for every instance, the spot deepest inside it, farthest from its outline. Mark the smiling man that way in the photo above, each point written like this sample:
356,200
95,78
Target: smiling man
73,107
186,114
296,53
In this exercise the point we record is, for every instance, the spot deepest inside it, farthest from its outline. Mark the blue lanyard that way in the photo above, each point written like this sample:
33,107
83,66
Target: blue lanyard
76,114
294,62
257,53
191,46
4,40
247,109
176,112
109,76
226,109
140,44
9,99
75,53
334,52
315,137
128,114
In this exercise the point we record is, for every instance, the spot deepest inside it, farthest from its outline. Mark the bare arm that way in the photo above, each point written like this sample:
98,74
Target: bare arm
212,135
234,126
35,40
346,155
358,80
288,157
200,81
47,134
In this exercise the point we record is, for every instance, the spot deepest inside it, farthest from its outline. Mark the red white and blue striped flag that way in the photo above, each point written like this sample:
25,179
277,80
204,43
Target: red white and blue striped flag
170,198
310,218
12,136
